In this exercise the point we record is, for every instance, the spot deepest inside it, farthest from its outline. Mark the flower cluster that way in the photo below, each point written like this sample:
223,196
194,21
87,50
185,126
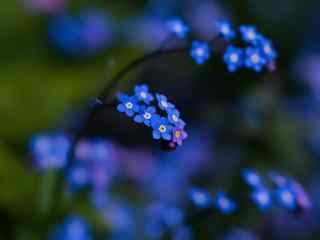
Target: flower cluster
85,34
257,53
280,191
94,167
50,151
163,118
220,201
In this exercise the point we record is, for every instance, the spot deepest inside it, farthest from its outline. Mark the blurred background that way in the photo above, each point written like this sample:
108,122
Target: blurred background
58,54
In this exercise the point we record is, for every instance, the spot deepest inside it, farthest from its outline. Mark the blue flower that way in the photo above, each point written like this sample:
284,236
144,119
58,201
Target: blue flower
178,27
262,198
267,49
200,52
286,198
224,204
128,105
50,151
145,115
254,59
142,93
252,178
225,30
174,117
249,34
201,198
78,177
161,128
233,57
74,227
163,102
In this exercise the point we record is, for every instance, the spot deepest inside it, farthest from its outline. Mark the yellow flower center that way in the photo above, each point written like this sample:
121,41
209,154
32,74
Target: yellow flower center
162,128
177,134
255,58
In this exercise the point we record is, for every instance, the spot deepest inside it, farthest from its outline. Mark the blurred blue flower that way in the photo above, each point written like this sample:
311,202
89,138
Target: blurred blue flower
74,227
78,177
225,30
267,48
182,233
224,204
142,93
252,178
201,198
233,57
145,115
249,34
161,128
200,52
128,105
50,151
255,59
286,198
178,27
163,102
262,198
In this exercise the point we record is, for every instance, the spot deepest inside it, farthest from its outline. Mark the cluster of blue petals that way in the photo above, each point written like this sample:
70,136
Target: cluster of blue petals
220,201
50,151
279,191
255,53
156,112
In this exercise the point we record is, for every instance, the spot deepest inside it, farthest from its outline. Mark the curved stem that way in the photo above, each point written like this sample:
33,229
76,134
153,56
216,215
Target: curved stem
116,80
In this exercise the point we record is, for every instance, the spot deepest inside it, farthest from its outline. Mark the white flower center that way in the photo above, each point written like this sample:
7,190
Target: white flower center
200,52
263,198
164,104
251,35
224,203
267,49
225,30
147,115
129,105
287,197
255,58
175,118
143,95
178,28
234,58
162,128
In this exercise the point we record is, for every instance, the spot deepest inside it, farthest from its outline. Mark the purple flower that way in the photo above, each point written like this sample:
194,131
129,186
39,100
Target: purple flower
179,135
145,115
161,128
128,105
142,93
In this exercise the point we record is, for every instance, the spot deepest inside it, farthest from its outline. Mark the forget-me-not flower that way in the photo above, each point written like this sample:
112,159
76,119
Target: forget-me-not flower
161,128
254,59
225,30
128,105
142,93
178,27
200,52
233,57
145,115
